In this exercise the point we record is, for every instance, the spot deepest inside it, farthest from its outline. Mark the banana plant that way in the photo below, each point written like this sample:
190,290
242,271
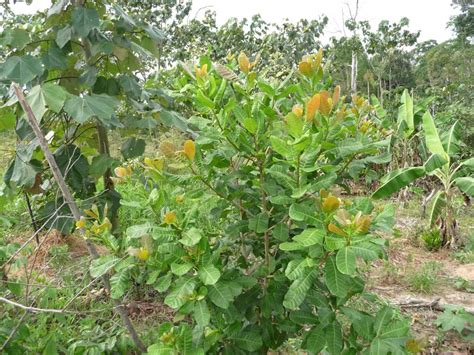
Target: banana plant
442,164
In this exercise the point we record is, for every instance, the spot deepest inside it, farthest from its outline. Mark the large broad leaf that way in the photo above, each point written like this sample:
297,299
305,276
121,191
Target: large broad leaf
346,260
178,295
209,274
310,236
298,290
405,112
466,185
435,161
304,213
282,148
133,148
55,59
21,69
201,313
102,265
439,202
180,269
297,267
191,237
451,145
333,335
84,20
397,180
315,341
336,281
221,295
431,135
83,108
248,340
259,223
468,163
44,97
64,35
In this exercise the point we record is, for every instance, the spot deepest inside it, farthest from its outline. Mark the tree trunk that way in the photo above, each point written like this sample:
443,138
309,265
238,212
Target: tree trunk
354,73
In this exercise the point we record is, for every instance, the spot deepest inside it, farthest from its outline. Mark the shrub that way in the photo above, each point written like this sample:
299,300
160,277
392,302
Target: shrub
243,231
432,239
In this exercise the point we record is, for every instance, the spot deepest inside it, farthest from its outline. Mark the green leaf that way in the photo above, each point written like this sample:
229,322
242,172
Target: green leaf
209,274
367,251
191,237
395,330
179,294
297,267
250,124
201,313
44,97
21,69
181,269
466,185
310,236
282,148
17,38
83,108
469,163
130,86
336,281
397,180
295,125
259,223
100,164
435,161
439,202
163,283
221,295
452,138
133,148
333,335
119,284
139,230
304,213
346,260
455,318
63,36
298,290
102,265
160,349
291,246
315,341
431,135
405,112
55,59
84,20
7,120
281,232
248,340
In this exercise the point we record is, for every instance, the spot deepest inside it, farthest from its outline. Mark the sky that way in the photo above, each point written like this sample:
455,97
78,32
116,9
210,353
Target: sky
428,16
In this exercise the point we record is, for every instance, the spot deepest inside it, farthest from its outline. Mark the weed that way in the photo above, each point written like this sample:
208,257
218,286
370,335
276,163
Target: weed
424,279
432,239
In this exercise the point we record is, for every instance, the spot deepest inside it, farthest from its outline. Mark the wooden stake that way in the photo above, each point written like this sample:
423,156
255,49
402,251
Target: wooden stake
67,196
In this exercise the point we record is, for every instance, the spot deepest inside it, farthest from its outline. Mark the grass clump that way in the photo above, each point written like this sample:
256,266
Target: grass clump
424,279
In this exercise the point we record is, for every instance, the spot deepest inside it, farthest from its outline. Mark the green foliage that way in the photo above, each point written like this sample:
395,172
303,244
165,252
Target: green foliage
426,279
432,239
458,319
442,165
272,242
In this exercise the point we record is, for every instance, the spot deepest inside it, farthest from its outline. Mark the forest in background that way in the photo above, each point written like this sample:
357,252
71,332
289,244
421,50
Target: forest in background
330,174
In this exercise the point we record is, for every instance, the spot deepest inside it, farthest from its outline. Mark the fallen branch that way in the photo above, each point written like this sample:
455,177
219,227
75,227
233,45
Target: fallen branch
435,304
68,198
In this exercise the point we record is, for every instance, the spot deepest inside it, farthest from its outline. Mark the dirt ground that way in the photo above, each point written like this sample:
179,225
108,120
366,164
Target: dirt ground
392,280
